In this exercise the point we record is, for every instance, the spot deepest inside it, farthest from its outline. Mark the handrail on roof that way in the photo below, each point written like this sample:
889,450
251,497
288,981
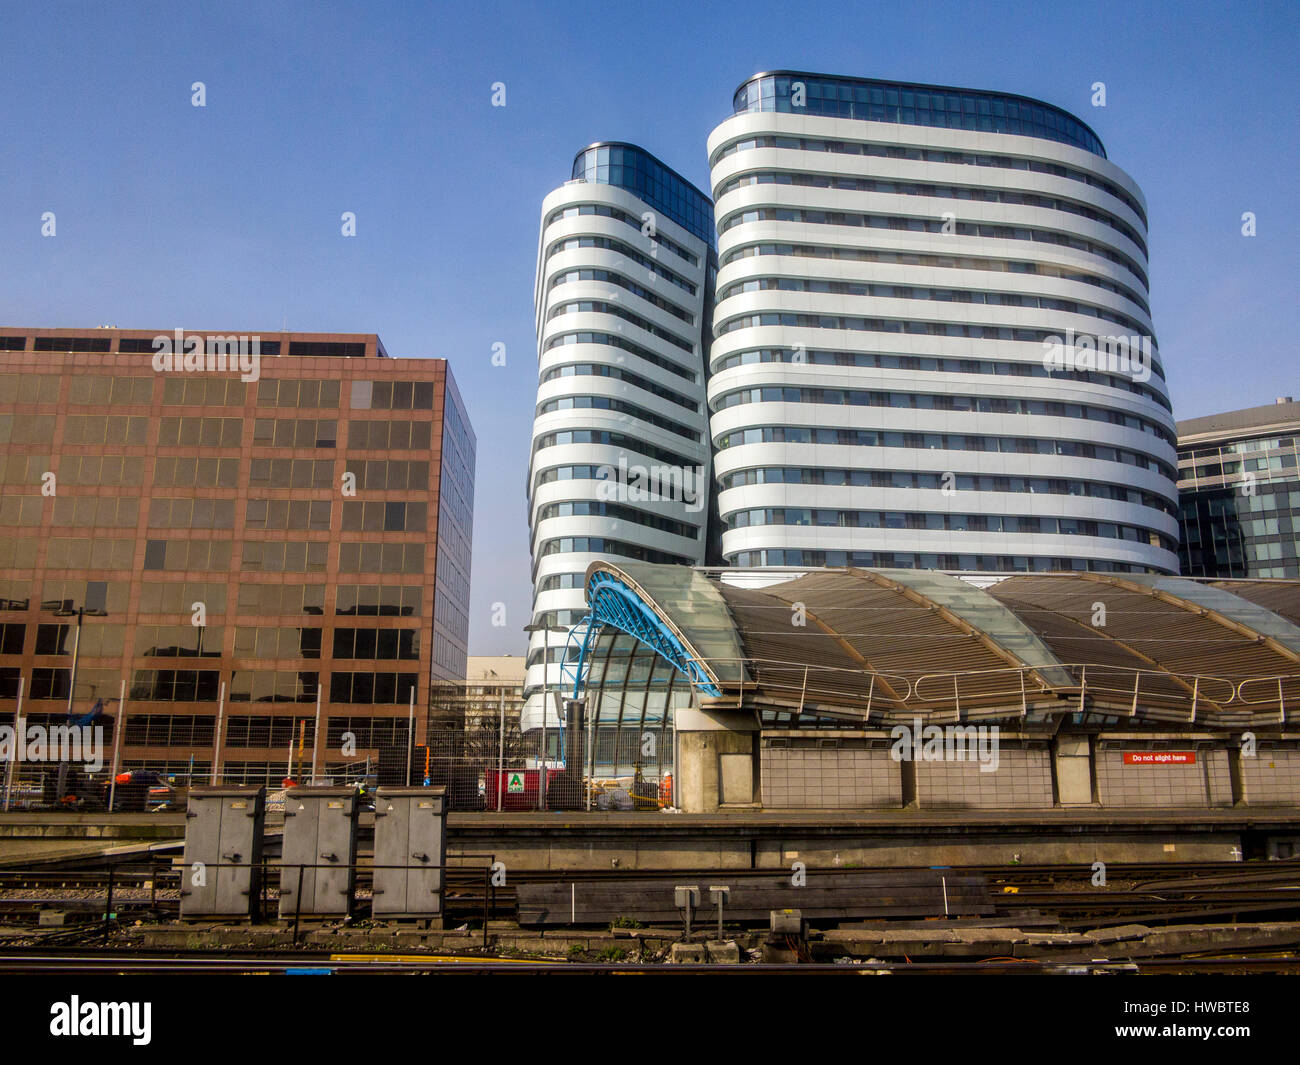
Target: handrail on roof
1279,681
1224,693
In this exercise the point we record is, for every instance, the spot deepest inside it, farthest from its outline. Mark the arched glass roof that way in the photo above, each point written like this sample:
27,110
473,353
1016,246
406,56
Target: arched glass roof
885,645
1242,611
696,633
982,613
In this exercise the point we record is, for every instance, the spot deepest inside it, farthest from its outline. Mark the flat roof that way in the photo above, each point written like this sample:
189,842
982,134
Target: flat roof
1249,421
374,347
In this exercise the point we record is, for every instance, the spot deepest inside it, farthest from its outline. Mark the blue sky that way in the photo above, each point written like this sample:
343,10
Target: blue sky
228,216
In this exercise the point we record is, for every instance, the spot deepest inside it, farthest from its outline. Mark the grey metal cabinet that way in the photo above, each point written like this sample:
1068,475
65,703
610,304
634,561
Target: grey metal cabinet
319,853
223,852
410,851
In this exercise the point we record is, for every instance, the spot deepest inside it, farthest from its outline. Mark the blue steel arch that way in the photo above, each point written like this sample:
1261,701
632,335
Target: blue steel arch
612,603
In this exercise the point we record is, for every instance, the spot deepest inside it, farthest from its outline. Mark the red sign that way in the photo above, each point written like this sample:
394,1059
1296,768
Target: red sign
1159,757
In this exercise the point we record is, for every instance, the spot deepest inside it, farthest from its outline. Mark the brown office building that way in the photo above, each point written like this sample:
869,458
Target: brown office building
242,536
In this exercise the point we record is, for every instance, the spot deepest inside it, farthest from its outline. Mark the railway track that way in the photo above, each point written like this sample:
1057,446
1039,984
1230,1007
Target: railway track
1136,892
81,962
97,867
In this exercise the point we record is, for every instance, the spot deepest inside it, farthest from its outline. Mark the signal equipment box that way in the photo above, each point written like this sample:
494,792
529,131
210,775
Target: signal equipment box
410,852
318,857
223,852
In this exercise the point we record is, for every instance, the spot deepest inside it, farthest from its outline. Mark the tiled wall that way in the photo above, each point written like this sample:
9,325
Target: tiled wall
1204,783
815,774
1272,776
819,772
1022,780
855,777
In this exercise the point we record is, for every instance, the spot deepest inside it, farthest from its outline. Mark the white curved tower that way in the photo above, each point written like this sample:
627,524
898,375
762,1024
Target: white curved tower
894,263
620,453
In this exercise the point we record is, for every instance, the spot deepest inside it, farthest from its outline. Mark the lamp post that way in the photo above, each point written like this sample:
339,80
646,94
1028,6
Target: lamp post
76,653
13,757
545,630
119,726
64,612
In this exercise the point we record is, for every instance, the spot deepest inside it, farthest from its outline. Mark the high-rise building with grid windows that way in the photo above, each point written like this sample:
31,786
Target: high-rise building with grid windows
1239,490
239,544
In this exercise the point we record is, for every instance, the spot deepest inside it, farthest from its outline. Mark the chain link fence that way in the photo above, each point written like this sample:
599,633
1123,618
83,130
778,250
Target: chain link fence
485,769
482,768
158,785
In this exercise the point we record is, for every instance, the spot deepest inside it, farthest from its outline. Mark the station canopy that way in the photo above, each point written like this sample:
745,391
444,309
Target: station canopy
881,646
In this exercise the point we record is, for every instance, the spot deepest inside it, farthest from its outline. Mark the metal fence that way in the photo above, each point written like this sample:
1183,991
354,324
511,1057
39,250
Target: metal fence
483,769
149,786
608,768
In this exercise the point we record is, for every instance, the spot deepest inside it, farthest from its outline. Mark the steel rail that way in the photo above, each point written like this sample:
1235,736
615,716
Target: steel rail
52,963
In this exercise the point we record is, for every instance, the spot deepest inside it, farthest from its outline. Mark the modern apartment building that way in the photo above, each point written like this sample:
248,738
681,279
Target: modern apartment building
932,345
620,450
248,546
1239,492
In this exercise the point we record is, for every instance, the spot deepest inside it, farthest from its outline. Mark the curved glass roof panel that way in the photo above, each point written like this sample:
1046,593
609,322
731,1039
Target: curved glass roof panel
690,604
981,611
1221,601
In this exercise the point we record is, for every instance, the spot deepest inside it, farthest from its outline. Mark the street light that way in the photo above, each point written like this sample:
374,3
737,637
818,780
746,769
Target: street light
65,610
545,630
